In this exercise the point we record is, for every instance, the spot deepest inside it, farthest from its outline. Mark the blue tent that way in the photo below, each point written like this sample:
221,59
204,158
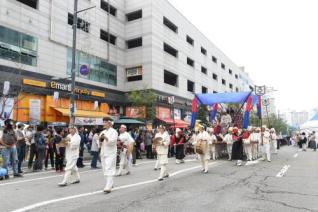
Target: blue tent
211,99
315,118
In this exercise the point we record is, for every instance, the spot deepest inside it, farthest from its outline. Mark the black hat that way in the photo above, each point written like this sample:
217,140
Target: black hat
8,123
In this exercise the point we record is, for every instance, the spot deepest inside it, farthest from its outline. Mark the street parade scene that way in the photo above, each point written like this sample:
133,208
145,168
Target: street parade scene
129,105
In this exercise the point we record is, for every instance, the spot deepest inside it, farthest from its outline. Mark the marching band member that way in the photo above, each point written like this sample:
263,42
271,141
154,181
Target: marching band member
237,149
108,139
255,141
202,141
247,143
273,140
72,144
180,140
162,148
212,144
266,144
229,142
127,143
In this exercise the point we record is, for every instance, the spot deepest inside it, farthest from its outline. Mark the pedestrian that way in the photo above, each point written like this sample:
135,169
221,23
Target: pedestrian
95,147
180,142
9,153
126,143
162,147
80,163
28,139
212,144
303,141
59,142
266,144
237,149
49,149
202,142
247,143
312,141
33,151
40,145
108,143
20,146
255,142
273,140
229,142
172,143
72,149
148,140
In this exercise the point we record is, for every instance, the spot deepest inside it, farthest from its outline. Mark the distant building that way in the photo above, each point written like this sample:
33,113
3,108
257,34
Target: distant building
268,107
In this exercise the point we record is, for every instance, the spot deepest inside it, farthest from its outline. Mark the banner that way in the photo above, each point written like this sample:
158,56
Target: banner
136,112
35,111
88,121
177,114
6,107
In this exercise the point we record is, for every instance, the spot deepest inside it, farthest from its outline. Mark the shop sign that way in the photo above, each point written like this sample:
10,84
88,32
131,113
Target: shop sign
136,112
34,83
88,121
166,99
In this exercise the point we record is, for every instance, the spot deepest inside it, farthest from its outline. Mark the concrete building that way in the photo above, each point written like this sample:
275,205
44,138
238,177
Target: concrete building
126,45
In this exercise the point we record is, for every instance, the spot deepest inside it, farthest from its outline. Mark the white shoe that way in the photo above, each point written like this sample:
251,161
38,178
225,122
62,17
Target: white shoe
62,184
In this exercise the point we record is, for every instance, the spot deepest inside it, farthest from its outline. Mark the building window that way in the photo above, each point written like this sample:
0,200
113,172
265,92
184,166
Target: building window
170,50
230,86
134,73
223,82
190,40
230,71
108,7
30,3
236,76
134,15
190,86
81,24
190,62
215,77
204,89
133,43
170,78
108,37
222,66
18,47
170,25
214,59
203,50
236,89
99,69
215,92
204,70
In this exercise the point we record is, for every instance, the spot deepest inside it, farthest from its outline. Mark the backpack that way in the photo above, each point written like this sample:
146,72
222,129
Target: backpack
39,139
9,138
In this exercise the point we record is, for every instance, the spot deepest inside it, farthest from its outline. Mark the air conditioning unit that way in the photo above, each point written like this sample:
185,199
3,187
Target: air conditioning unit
132,72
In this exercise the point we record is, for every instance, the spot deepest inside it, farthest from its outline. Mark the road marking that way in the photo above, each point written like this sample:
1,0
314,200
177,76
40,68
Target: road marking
283,171
295,155
40,204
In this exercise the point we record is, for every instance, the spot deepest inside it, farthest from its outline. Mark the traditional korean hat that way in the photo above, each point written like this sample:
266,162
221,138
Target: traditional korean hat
123,126
230,129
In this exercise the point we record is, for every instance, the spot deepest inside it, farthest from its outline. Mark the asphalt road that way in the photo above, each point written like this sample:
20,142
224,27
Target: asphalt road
288,183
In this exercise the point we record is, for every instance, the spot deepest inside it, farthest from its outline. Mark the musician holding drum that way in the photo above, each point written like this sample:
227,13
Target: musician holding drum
202,142
126,143
161,143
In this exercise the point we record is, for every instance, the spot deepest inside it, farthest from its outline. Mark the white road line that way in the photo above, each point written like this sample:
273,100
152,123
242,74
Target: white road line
295,155
283,171
40,204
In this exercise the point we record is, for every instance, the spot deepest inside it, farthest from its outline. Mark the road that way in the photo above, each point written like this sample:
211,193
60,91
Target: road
288,183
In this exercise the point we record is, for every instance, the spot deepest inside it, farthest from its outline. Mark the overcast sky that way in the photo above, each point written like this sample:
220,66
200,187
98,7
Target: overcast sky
276,41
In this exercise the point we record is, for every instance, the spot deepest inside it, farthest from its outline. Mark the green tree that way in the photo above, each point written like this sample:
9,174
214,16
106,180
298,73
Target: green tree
203,114
144,98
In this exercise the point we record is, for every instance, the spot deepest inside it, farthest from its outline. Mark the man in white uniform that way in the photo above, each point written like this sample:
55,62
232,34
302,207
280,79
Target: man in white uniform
203,136
127,143
162,149
108,144
247,145
266,144
71,154
273,140
212,144
229,142
255,141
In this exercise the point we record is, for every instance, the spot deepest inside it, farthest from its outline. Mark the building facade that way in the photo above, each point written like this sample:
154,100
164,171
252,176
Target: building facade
126,45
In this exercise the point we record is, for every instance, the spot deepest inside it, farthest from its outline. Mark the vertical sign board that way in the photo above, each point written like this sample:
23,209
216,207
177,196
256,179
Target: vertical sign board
35,111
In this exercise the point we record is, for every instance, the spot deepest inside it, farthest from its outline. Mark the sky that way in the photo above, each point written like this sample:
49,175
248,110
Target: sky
275,40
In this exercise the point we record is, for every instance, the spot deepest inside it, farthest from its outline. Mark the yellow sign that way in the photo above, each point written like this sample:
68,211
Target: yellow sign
34,83
96,93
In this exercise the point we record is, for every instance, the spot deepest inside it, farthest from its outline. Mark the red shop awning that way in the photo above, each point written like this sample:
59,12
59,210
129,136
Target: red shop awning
176,123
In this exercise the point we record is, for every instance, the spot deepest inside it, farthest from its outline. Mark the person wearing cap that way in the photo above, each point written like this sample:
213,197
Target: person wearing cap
127,142
180,140
266,144
162,149
72,149
204,137
108,143
229,142
273,140
255,141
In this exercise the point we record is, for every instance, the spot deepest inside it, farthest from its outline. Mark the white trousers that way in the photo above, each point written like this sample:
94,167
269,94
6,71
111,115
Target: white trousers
71,172
254,151
229,150
109,183
204,162
163,170
157,164
248,151
125,162
274,146
213,152
267,151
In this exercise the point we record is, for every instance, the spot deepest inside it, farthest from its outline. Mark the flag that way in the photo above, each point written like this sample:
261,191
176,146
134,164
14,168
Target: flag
248,109
194,112
259,107
213,112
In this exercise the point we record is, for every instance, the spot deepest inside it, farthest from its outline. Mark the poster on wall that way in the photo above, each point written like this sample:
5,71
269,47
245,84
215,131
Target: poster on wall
163,113
187,117
35,111
136,112
81,121
177,114
6,107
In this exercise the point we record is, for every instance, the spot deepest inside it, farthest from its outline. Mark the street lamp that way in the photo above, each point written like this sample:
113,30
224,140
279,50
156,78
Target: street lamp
72,99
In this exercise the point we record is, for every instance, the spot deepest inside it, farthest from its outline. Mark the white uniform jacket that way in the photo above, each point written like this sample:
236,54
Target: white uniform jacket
109,151
164,148
72,151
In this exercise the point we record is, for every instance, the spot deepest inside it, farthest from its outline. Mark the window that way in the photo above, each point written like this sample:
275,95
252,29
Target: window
236,76
170,25
108,37
223,82
214,59
230,71
30,3
222,66
133,43
134,15
134,73
81,24
215,92
18,47
190,86
170,78
190,62
204,70
230,86
99,69
203,50
190,40
236,89
204,89
170,50
215,77
108,8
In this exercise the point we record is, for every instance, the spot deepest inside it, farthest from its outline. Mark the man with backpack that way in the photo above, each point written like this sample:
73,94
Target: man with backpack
40,144
9,153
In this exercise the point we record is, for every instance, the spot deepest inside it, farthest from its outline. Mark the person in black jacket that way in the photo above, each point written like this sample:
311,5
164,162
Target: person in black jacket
303,141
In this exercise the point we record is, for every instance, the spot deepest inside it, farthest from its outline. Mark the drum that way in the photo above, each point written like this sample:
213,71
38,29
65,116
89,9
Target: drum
200,147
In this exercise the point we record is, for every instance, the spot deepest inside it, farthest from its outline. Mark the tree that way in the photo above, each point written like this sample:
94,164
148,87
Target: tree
144,98
203,114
